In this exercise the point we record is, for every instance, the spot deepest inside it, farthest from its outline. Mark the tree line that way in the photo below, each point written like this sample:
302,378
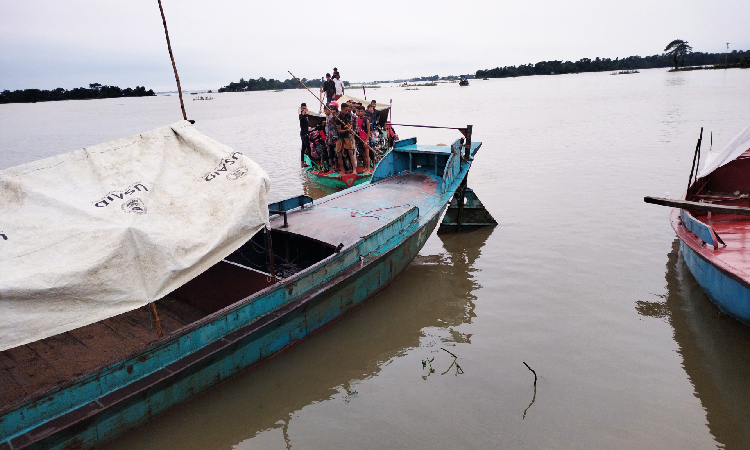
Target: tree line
94,91
735,58
262,84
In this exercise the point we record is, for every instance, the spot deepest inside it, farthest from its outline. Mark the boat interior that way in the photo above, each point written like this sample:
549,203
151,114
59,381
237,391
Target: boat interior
33,369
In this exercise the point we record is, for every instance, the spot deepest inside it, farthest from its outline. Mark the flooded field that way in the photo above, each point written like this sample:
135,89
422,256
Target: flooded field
581,280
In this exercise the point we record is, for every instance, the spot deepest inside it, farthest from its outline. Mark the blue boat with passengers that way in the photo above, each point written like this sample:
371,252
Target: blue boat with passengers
316,262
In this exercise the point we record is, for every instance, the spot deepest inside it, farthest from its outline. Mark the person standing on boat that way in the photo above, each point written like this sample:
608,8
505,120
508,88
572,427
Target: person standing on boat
332,134
304,131
372,114
344,144
339,85
363,126
329,88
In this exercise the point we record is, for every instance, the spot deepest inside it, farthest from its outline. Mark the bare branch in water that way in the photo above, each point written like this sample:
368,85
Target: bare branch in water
441,348
532,371
533,399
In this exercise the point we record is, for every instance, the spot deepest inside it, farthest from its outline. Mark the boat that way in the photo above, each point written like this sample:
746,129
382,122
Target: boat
713,226
463,82
318,171
248,291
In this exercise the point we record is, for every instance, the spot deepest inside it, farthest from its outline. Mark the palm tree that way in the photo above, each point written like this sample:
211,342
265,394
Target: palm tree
676,51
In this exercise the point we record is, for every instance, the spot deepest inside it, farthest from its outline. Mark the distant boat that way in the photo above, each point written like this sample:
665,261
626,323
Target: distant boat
271,288
713,225
463,82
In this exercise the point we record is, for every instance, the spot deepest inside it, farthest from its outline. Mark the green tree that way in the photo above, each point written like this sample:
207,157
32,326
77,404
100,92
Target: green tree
677,50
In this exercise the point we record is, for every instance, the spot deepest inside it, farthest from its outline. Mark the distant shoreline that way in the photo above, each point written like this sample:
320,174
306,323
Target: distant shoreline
94,91
734,59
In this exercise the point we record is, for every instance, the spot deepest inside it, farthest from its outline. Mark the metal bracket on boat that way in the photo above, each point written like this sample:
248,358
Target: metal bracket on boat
465,211
284,206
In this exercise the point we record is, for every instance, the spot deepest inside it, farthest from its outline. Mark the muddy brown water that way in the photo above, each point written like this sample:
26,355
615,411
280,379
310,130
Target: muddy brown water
581,280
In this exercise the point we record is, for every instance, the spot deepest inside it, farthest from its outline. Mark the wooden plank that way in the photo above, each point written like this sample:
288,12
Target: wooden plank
697,206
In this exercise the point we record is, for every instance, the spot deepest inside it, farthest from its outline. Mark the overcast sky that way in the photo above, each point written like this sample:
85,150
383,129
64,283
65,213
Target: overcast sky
48,44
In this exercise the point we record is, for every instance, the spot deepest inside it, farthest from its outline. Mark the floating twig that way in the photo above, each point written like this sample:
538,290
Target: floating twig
532,371
534,398
532,402
459,370
441,348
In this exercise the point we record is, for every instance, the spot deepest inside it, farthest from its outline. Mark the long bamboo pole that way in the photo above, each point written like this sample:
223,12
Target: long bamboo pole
174,66
697,206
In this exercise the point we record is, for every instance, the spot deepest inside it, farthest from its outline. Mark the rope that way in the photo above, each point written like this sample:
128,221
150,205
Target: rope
425,126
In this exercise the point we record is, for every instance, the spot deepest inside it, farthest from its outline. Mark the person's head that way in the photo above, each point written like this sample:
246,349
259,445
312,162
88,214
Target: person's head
360,111
344,108
303,108
373,103
370,108
337,75
335,70
328,76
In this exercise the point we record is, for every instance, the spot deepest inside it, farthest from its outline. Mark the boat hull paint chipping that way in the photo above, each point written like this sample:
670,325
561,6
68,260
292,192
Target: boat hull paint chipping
98,408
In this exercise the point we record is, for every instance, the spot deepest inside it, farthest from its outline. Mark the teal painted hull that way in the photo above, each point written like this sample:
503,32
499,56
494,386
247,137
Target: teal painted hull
98,408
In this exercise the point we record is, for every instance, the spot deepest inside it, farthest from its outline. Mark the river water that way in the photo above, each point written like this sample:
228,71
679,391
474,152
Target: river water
580,280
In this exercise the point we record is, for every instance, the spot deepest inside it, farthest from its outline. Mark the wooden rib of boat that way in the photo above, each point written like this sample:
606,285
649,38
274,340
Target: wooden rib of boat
713,226
85,387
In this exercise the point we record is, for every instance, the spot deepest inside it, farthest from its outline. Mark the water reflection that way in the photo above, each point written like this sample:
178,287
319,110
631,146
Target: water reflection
434,295
715,350
315,190
674,80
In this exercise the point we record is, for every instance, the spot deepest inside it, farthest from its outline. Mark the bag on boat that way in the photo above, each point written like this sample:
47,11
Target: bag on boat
107,229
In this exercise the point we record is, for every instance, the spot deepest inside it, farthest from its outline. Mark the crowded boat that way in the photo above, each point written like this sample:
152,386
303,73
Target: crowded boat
347,137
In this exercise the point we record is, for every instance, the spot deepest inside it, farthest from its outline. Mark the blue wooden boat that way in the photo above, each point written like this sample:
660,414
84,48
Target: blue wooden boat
713,226
88,386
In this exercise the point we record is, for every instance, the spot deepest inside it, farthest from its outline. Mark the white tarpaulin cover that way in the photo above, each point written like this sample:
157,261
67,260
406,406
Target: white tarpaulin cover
739,145
107,229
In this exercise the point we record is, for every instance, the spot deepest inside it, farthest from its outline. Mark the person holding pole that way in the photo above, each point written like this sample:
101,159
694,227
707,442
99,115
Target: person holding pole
332,134
344,144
